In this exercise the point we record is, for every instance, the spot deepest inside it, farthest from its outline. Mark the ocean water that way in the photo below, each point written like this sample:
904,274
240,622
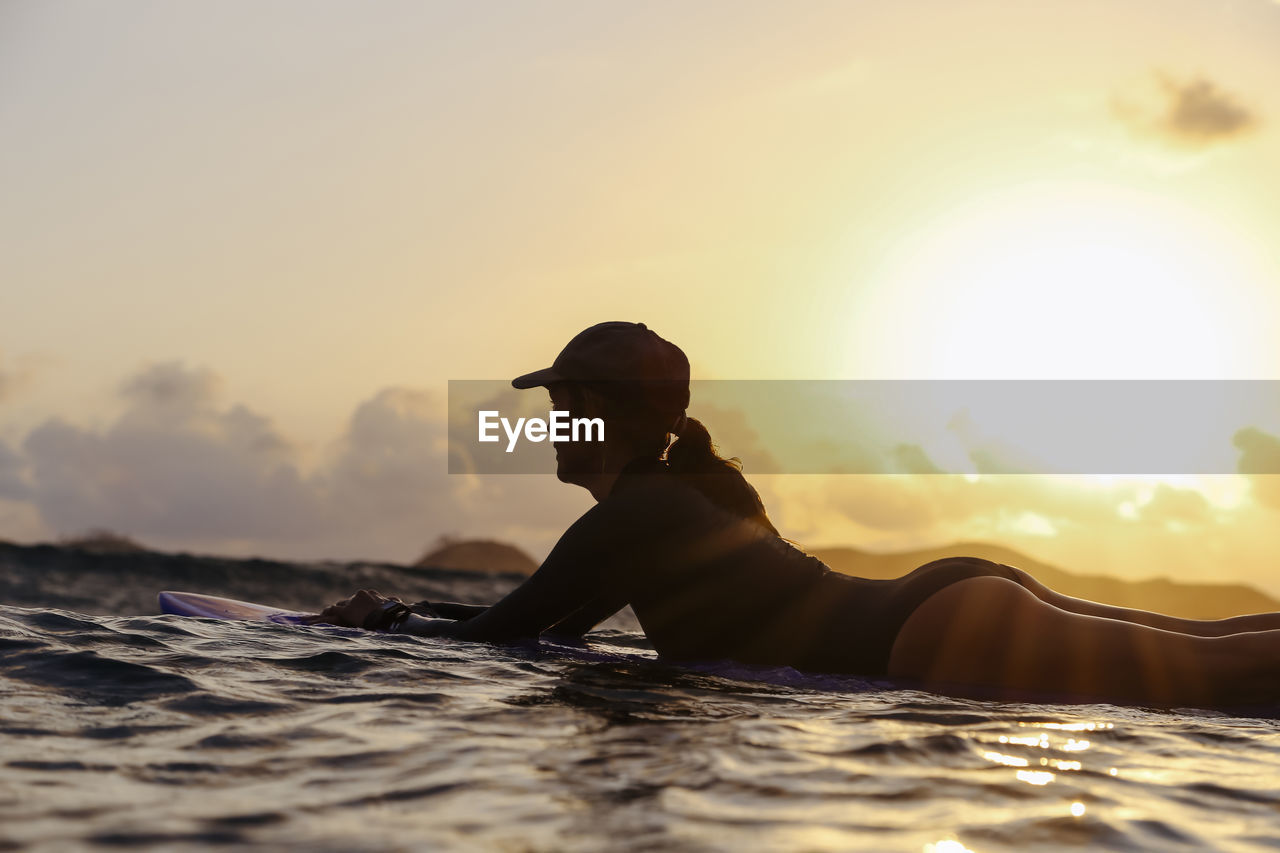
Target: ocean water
142,731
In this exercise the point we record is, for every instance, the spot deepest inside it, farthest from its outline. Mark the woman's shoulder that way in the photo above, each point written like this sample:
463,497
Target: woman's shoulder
655,491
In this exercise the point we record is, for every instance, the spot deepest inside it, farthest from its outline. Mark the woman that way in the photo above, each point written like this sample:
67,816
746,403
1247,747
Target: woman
680,535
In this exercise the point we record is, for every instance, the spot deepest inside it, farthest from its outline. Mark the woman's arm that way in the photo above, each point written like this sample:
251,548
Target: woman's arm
451,610
566,585
575,624
588,575
449,614
582,581
573,574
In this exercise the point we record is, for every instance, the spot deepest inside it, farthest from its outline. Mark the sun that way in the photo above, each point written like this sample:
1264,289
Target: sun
1069,280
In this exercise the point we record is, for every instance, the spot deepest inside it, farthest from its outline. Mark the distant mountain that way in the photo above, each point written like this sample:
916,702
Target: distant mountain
477,555
1188,600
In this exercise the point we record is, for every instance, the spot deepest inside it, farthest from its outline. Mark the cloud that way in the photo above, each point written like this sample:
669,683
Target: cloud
1259,451
1168,504
1194,114
171,390
990,455
173,466
13,483
1260,462
1201,114
912,459
179,469
949,507
388,479
885,503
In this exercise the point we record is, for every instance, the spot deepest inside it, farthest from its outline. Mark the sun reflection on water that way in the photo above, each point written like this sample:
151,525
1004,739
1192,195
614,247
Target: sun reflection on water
1008,760
1035,777
1042,740
1072,727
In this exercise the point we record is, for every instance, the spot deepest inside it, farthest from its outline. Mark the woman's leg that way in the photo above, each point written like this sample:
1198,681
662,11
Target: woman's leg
1085,607
1195,627
995,634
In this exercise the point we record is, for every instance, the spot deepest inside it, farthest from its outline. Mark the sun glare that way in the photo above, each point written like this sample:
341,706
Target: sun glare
1059,281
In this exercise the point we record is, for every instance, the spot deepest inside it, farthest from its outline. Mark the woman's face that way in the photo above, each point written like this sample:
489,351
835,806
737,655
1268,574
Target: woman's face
576,460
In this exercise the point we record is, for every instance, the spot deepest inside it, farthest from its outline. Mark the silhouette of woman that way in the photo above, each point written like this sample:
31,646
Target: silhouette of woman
679,534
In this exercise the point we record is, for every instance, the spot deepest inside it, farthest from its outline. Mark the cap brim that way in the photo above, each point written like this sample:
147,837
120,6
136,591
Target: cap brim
539,377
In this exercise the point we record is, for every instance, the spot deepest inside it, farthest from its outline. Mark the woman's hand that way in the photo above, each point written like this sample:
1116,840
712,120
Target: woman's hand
350,612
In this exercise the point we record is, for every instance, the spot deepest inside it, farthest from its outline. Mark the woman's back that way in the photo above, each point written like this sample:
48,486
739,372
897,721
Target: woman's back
707,584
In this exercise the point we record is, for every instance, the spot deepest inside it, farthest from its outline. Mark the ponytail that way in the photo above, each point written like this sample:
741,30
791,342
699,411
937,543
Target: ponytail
693,458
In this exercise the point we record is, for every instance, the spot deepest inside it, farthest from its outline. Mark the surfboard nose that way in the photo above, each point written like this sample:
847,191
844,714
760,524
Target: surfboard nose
209,606
170,602
216,607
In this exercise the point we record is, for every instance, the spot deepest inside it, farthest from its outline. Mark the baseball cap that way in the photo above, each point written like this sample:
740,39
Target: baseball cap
626,357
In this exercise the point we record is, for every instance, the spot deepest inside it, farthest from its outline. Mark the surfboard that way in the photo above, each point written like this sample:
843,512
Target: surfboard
233,610
216,607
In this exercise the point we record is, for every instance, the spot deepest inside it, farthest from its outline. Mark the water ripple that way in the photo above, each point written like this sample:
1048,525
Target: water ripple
161,733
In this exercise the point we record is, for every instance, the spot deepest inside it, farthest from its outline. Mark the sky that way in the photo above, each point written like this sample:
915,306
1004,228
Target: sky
244,246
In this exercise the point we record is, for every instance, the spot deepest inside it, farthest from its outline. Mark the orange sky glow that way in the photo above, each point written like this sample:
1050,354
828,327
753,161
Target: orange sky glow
246,246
